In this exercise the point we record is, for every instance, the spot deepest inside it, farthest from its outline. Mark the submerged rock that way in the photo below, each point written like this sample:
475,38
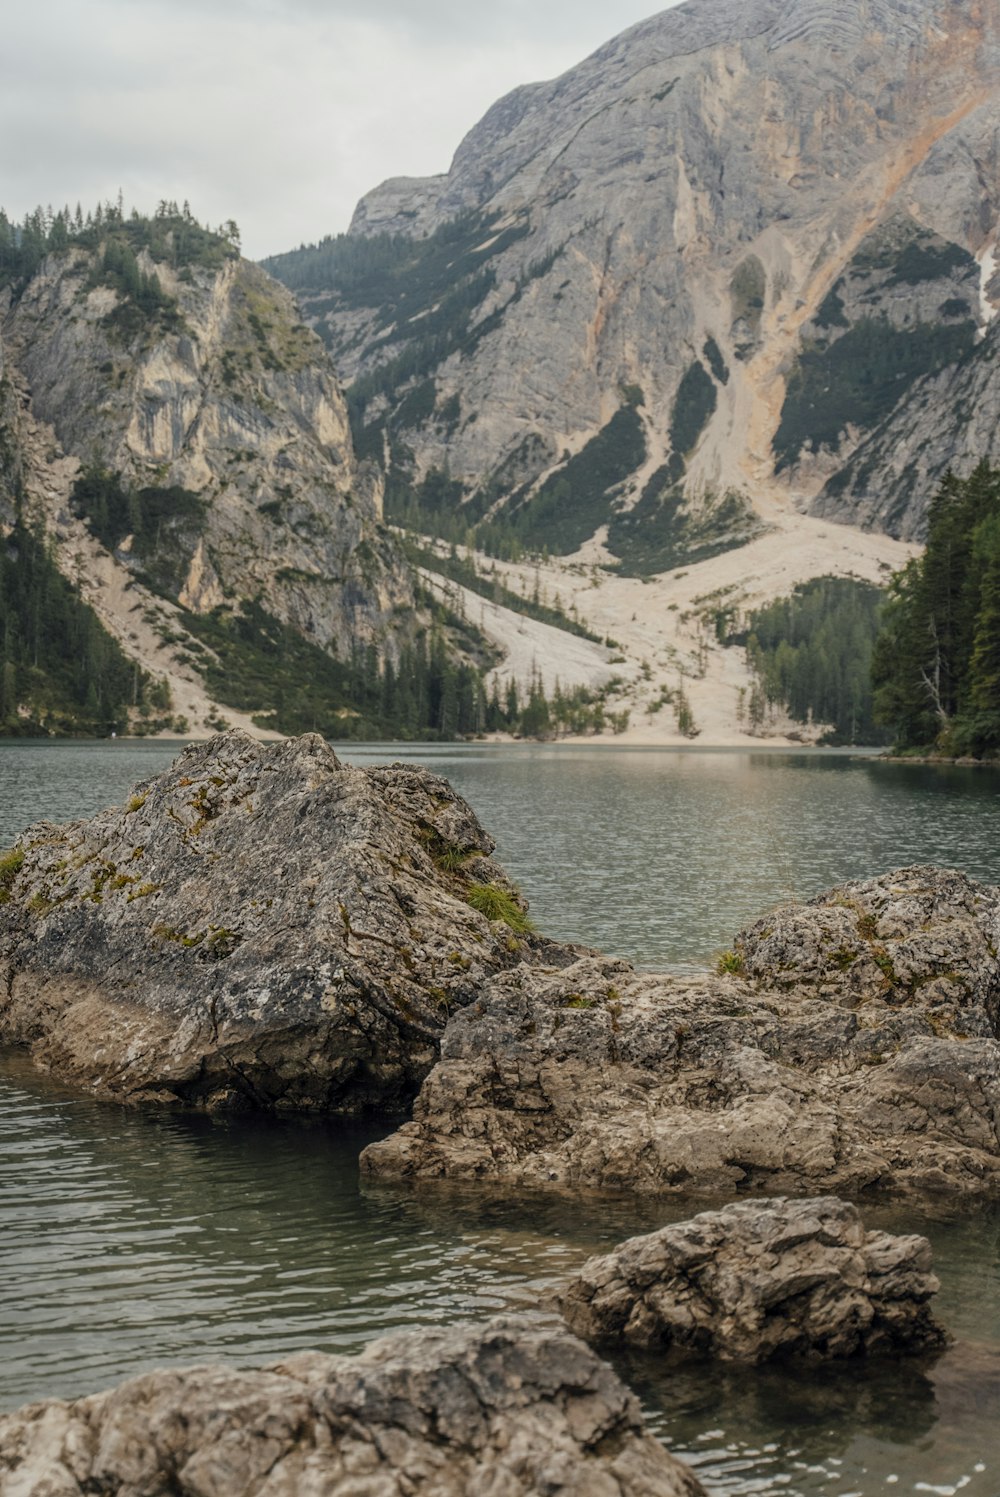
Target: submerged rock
512,1408
257,925
852,1046
762,1279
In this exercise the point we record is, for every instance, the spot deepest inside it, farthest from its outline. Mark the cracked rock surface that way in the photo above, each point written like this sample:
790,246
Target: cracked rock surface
512,1408
258,925
762,1279
853,1049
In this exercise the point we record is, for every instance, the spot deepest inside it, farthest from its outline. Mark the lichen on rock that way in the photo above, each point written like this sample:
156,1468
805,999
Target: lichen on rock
855,1051
516,1406
759,1280
259,925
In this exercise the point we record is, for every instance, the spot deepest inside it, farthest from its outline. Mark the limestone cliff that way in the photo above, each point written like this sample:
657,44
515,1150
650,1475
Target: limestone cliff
765,229
186,389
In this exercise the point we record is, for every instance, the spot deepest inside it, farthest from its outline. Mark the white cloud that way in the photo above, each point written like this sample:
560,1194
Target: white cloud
278,113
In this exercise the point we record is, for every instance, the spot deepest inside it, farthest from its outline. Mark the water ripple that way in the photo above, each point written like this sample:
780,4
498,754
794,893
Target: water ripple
130,1240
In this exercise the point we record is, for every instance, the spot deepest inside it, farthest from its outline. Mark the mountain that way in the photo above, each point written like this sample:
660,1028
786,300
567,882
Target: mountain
740,261
176,436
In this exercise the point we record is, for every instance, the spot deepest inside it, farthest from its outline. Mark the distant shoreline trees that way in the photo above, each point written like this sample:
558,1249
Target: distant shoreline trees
936,668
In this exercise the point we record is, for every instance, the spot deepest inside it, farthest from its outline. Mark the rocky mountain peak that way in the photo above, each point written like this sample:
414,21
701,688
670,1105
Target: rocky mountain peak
180,435
683,215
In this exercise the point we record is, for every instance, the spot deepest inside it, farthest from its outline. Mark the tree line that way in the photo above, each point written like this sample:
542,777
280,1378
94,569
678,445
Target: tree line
60,671
812,653
172,235
936,668
428,690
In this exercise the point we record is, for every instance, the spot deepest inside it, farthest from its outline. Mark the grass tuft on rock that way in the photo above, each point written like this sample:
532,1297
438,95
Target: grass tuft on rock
498,904
10,866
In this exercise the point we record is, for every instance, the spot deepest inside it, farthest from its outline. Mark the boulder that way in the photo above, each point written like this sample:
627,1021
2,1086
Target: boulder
850,1045
758,1280
259,925
512,1408
921,940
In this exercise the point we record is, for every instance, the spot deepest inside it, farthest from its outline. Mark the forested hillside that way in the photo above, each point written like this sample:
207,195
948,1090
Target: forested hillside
937,660
174,441
812,653
60,671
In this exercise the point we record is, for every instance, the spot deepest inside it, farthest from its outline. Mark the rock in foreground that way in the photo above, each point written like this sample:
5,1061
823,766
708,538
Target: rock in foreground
257,925
762,1279
852,1047
510,1409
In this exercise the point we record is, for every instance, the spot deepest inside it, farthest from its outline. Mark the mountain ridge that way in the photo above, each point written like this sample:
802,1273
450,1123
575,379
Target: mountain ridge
701,182
177,435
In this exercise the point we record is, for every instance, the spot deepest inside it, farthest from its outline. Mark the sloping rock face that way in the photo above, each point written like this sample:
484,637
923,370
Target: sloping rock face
258,925
8,442
234,401
762,1279
515,1407
786,209
857,1051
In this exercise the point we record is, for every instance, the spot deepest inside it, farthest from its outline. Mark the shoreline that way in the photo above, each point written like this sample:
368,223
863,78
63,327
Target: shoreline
603,742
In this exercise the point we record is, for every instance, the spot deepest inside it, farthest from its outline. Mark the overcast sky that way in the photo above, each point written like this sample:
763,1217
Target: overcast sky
277,113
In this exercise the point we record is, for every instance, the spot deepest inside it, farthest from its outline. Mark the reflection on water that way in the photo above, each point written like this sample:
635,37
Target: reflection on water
134,1238
130,1240
662,856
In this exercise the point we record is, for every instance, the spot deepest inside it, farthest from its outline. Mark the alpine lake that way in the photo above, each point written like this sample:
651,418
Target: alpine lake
135,1239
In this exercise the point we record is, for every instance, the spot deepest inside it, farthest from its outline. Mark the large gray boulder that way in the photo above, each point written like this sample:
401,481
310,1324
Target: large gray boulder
762,1279
258,925
850,1046
512,1408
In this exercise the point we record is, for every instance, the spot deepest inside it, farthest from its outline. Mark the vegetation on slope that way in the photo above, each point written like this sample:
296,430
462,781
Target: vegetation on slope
263,667
661,532
488,585
575,500
937,659
859,378
171,236
256,664
812,653
60,671
164,524
423,295
856,377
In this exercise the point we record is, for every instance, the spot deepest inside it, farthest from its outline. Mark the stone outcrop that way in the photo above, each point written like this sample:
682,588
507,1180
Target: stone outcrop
516,1406
258,925
232,399
851,1047
759,1280
207,420
724,193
